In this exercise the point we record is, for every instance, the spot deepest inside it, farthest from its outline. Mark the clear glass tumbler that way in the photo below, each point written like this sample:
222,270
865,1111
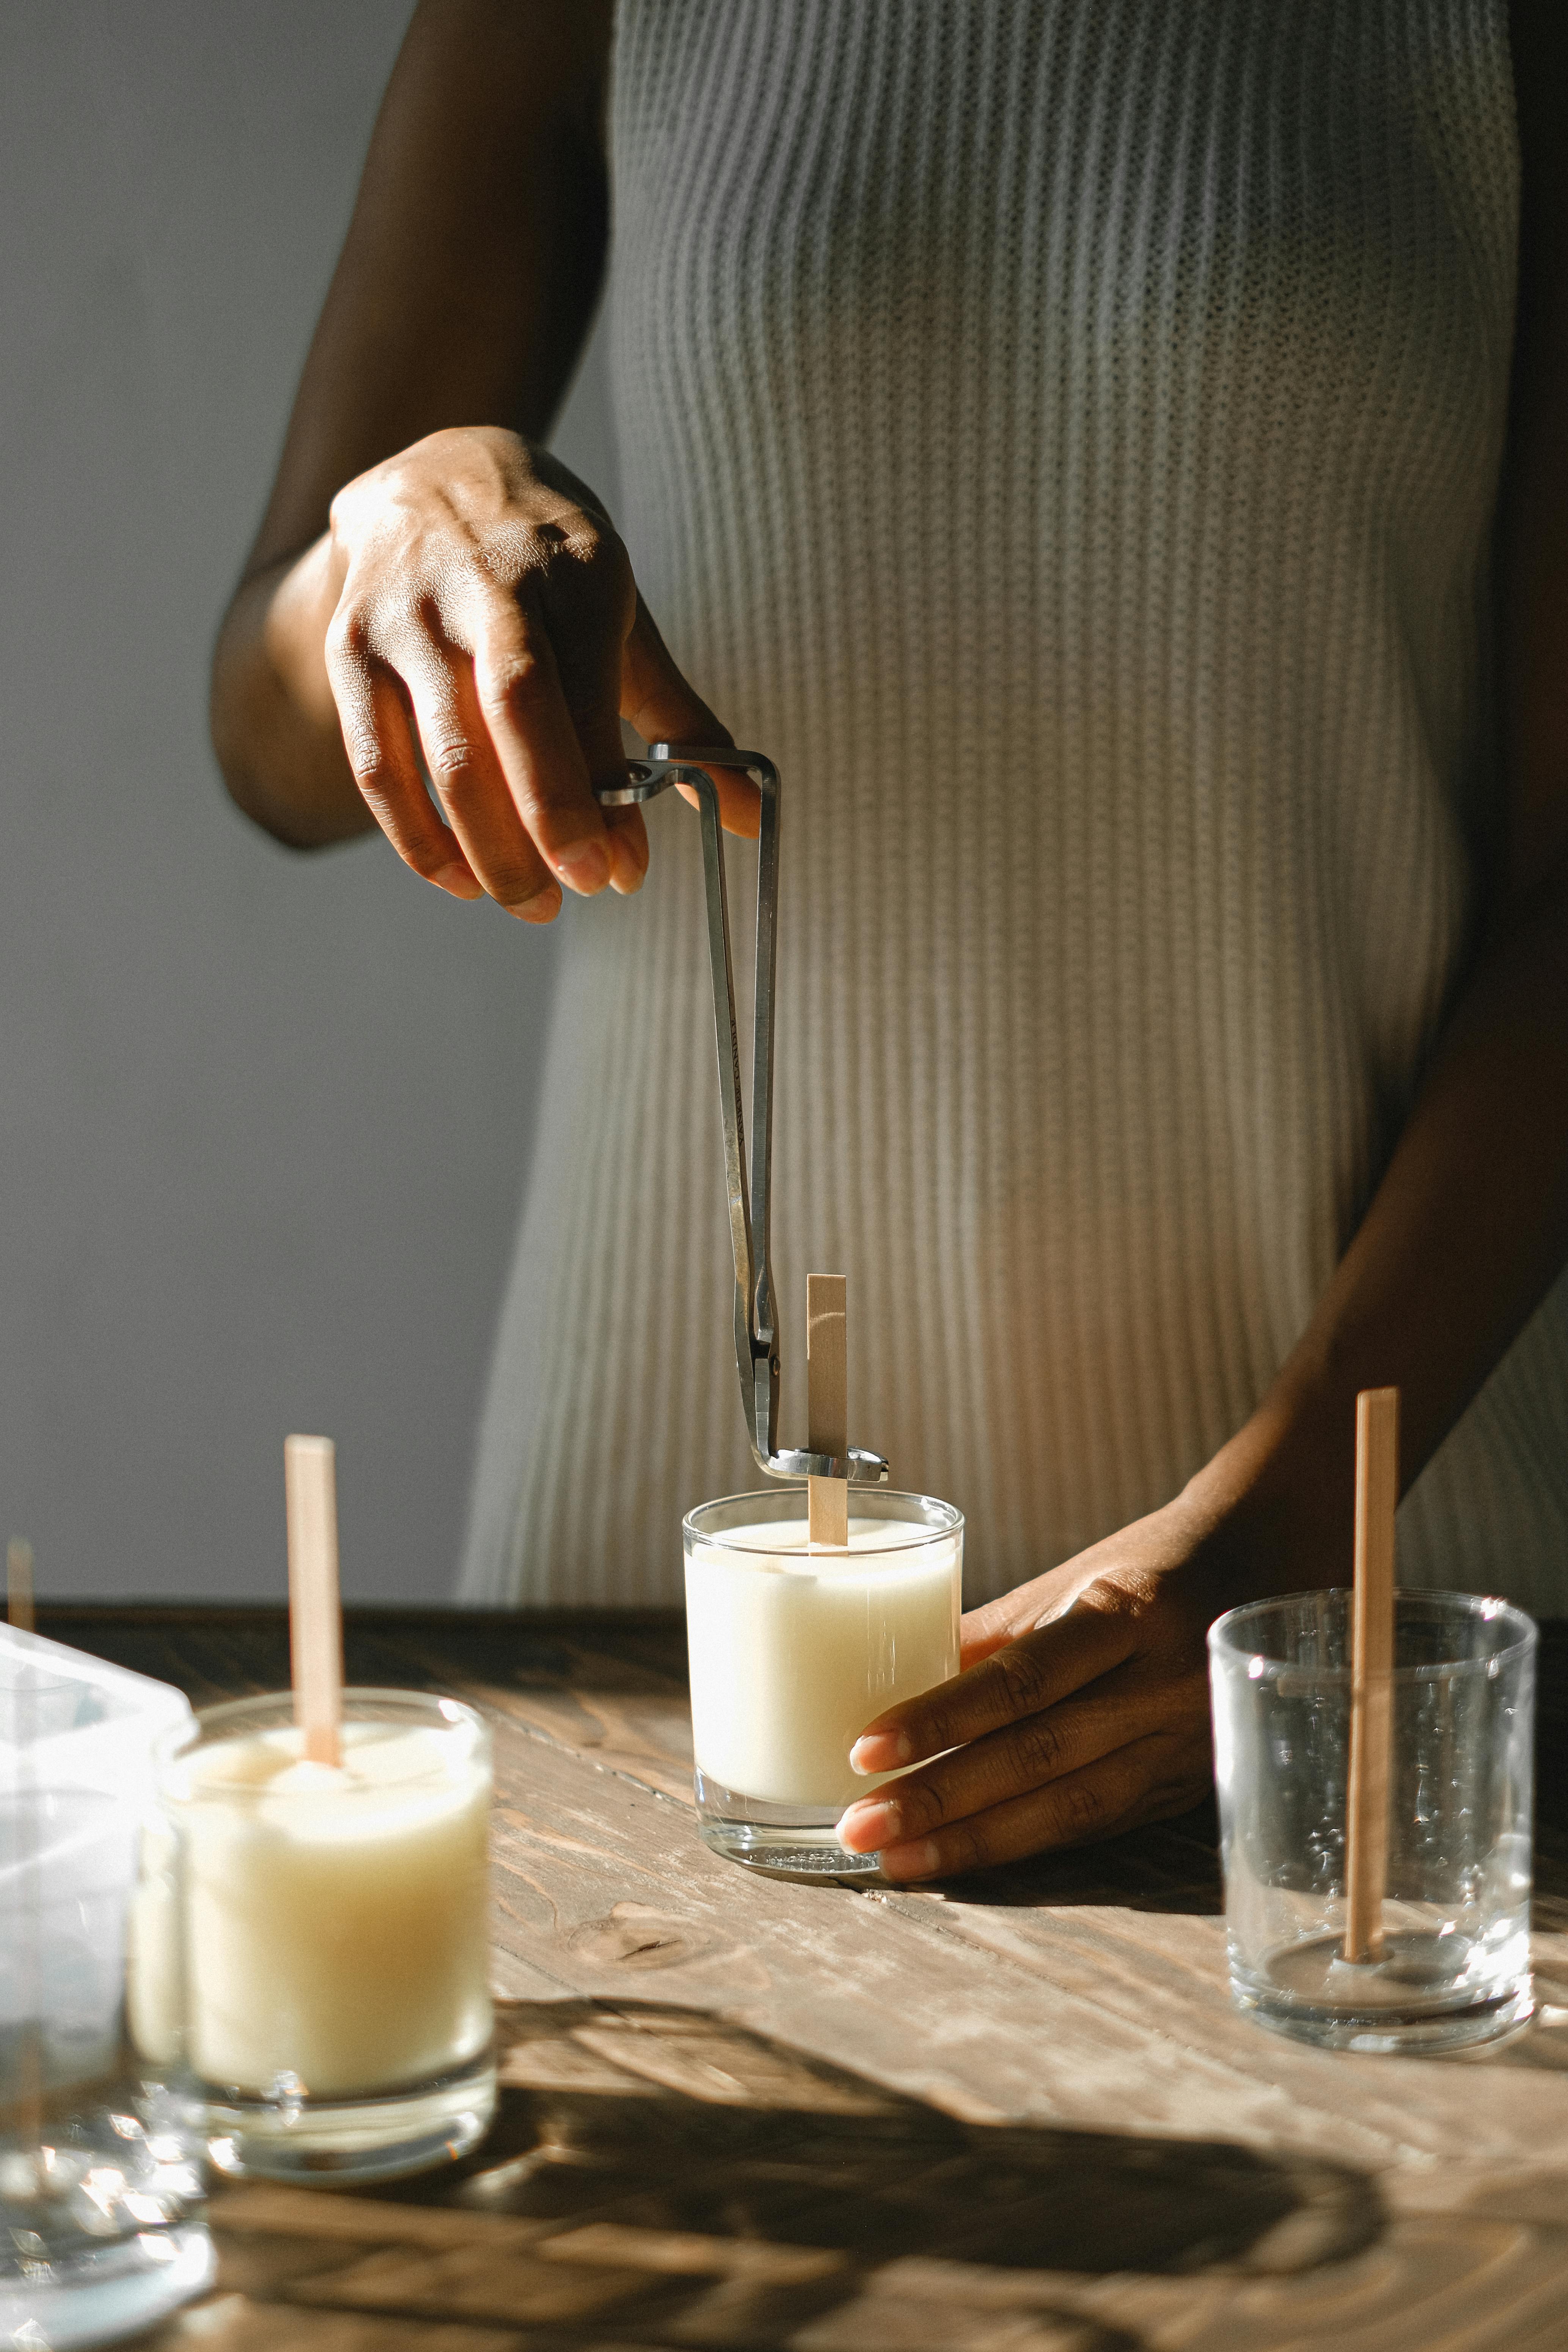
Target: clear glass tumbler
313,1946
1453,1965
101,2200
793,1652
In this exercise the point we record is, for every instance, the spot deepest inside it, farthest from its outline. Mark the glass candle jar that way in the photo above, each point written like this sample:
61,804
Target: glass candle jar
312,1944
1451,1960
793,1651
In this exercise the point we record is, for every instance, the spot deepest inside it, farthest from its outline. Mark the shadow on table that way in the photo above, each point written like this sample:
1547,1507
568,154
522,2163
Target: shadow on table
671,2144
1173,1866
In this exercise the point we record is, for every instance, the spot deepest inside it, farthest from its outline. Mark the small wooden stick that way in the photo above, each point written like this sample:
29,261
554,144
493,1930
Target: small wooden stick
1371,1661
315,1614
28,2110
827,1406
19,1584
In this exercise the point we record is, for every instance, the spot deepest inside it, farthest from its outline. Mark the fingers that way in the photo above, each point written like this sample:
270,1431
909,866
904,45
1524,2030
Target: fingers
628,849
991,1772
468,778
1150,1779
988,1628
483,596
380,748
663,709
1028,1675
517,681
588,602
978,1640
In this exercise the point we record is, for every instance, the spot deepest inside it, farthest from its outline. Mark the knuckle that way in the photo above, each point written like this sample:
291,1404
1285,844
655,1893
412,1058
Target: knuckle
511,683
919,1807
1129,1592
1021,1673
1077,1809
347,643
367,760
341,510
932,1727
1038,1746
513,877
586,549
587,579
451,759
962,1847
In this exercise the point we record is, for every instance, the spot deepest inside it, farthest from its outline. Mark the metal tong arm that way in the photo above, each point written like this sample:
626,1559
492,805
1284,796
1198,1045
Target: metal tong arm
756,1323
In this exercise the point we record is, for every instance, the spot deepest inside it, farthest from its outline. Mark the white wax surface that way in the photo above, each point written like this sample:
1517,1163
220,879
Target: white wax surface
335,1915
793,1652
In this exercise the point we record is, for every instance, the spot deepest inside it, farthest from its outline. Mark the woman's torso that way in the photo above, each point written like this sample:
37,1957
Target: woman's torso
1064,434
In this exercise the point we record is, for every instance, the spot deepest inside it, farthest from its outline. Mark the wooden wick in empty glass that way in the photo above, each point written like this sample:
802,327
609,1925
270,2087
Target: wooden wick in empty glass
19,1584
315,1614
1372,1662
827,1406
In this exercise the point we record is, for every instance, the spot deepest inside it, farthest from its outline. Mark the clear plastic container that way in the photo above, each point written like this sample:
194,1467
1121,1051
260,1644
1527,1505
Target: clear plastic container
101,2229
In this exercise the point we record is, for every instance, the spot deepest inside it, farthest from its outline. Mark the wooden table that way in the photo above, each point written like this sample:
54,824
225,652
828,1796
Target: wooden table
1012,2114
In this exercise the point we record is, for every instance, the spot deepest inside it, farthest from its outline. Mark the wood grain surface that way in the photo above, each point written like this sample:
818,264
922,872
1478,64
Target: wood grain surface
1016,2114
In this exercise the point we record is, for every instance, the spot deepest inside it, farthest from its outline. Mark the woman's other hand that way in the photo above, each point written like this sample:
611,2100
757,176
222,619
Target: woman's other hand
1082,1710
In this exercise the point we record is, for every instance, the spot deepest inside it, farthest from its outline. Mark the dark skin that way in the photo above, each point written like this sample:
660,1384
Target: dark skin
423,565
423,568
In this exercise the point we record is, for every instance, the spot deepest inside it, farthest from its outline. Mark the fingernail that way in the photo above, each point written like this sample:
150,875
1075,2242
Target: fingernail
458,880
881,1751
543,908
918,1859
585,866
865,1826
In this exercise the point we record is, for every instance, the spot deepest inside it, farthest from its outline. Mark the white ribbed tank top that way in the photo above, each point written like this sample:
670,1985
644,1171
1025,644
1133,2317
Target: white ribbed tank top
1065,434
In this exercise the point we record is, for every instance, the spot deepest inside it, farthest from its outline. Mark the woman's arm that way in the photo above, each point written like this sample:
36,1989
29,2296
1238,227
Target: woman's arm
422,565
1083,1709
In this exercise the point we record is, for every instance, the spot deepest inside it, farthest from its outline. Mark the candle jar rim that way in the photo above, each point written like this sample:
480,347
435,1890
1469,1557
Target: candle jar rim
263,1711
1239,1642
927,1518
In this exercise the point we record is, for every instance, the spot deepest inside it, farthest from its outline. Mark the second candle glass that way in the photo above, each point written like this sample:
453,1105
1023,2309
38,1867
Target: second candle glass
313,1938
793,1652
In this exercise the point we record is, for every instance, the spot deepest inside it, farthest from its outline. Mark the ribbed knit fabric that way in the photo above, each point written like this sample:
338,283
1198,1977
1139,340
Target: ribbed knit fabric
1065,434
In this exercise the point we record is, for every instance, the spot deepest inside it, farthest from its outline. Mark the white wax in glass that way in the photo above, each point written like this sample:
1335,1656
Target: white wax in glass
793,1652
335,1915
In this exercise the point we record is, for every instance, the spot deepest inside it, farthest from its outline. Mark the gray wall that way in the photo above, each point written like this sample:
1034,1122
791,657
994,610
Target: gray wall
264,1120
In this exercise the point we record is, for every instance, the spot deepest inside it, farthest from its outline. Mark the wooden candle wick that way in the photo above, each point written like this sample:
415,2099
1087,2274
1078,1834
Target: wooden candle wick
1372,1662
19,1584
28,2109
827,1406
315,1614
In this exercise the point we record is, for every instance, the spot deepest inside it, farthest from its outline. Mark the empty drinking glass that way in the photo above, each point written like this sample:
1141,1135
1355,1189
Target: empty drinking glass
1450,1962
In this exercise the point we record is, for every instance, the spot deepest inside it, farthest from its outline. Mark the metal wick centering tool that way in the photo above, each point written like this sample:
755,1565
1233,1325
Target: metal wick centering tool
756,1323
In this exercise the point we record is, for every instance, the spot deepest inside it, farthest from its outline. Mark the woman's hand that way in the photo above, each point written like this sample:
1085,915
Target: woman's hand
485,614
1081,1711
